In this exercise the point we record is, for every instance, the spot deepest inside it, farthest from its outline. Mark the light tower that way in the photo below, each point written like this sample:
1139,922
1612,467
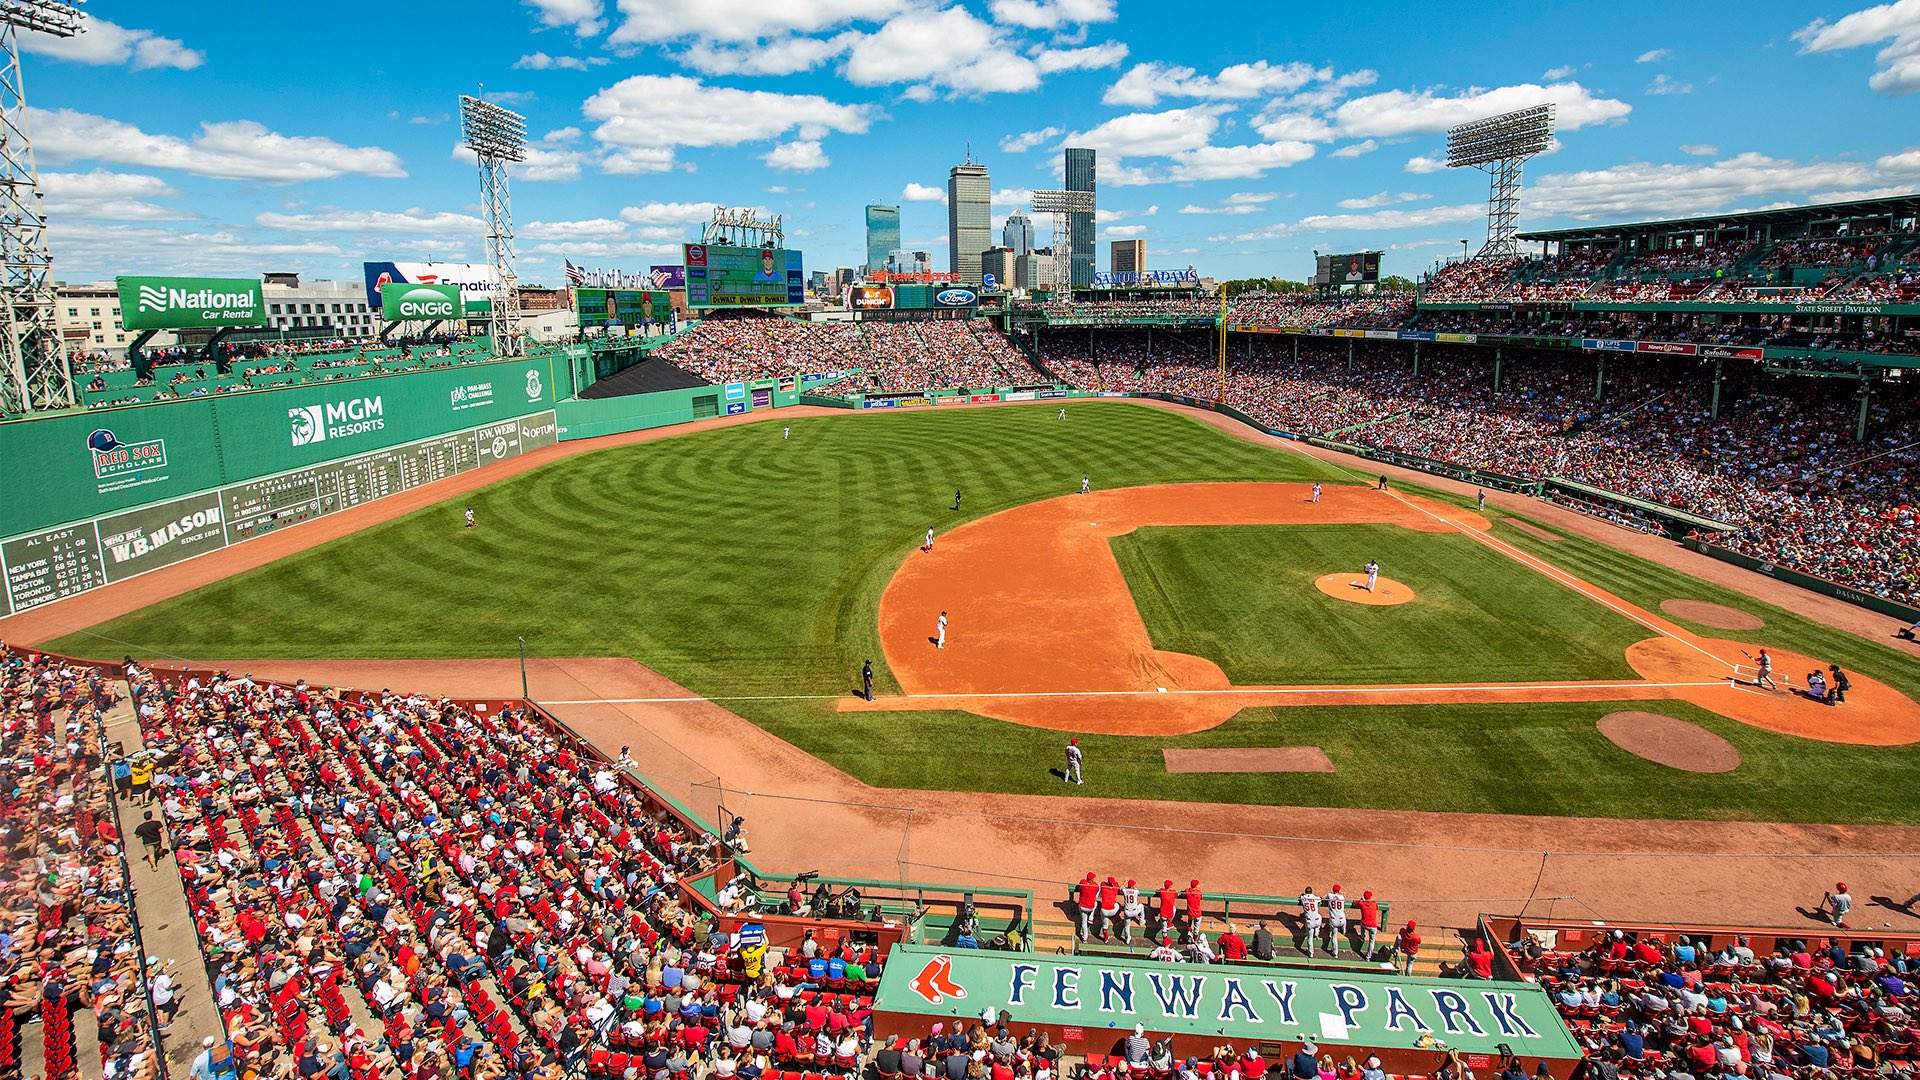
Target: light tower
497,136
1062,205
1499,146
37,374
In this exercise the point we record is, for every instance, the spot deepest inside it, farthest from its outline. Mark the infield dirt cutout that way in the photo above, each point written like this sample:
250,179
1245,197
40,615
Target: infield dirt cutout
1352,588
1043,630
1669,741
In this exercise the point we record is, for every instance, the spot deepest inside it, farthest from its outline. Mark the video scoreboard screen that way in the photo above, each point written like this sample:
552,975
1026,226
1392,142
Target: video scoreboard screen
720,276
1360,268
626,307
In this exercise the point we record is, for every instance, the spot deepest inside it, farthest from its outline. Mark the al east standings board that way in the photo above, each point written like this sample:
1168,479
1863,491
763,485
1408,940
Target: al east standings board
719,275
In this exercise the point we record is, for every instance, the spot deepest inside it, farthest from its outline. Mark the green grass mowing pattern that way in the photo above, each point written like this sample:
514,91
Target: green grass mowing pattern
739,565
1244,597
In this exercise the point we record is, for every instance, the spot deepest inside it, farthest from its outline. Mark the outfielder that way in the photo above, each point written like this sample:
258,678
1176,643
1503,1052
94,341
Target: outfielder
1086,484
1063,414
785,433
469,517
1373,574
1074,756
1336,919
1310,912
940,631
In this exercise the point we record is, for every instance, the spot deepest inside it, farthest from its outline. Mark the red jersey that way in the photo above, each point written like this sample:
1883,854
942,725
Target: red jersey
1409,943
1167,901
1109,896
1193,903
1087,891
1370,914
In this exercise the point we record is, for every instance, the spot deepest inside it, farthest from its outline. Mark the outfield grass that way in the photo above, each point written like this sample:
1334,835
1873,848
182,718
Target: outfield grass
1244,596
742,565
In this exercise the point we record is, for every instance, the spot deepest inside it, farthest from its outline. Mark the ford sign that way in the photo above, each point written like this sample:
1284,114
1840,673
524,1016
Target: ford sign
956,297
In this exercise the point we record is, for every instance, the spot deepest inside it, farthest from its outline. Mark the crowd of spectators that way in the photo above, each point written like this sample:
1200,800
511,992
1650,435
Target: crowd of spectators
67,943
331,365
917,355
1161,305
1376,310
1683,1009
1780,463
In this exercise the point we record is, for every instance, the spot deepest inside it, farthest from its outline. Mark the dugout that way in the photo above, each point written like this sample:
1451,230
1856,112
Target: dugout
1090,1004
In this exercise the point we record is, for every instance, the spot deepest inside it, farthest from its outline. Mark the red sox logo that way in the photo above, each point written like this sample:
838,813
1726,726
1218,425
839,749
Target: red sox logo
935,981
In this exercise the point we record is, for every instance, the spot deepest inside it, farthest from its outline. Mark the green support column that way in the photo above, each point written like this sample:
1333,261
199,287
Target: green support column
1496,369
1349,354
1296,348
1599,376
1717,373
1416,359
1860,428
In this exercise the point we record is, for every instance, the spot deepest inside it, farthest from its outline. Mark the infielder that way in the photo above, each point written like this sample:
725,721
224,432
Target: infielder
940,631
1086,484
469,517
1373,574
1074,756
1765,678
1316,493
929,544
1310,912
1336,919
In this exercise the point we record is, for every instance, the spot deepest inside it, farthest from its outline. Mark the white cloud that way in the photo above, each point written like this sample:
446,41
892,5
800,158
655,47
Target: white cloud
1091,58
92,249
385,222
1565,71
1121,232
1013,198
1663,85
671,213
1653,56
1027,140
539,61
1051,14
108,196
1237,162
741,20
549,159
581,16
226,150
1154,134
1354,150
631,111
1385,198
592,228
105,43
922,193
1641,188
1379,219
951,50
1293,126
1422,164
781,56
1238,203
1146,84
1699,149
1395,113
801,155
1897,23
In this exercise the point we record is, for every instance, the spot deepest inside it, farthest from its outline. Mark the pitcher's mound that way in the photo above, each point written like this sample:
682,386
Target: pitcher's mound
1669,741
1353,587
1715,615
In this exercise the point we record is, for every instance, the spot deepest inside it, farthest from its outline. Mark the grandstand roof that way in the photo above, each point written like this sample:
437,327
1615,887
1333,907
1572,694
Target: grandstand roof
1896,206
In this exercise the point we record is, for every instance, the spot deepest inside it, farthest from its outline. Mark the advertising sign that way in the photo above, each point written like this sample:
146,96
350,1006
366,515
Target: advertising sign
1730,352
720,275
1359,268
1189,276
623,307
956,298
413,303
474,279
1668,348
869,297
667,277
1606,344
176,303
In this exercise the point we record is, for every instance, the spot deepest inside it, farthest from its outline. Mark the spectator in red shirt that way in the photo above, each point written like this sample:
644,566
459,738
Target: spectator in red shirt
1479,960
1647,952
1369,923
1407,945
1232,946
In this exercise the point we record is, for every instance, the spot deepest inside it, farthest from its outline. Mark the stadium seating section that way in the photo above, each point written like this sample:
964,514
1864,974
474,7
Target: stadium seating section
945,353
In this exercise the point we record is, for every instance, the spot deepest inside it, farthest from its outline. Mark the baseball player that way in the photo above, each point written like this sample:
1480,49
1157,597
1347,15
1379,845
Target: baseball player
785,433
1086,484
1084,898
1310,914
1167,898
1336,919
940,631
1195,899
1765,678
956,499
1074,757
1131,911
1063,414
1369,923
1373,574
1316,493
1109,906
929,543
469,517
1481,497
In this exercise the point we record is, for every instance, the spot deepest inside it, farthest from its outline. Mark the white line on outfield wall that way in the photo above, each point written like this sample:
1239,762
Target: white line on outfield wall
1462,688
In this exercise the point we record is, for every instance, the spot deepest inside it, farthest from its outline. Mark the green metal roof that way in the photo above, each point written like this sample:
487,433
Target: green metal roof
1376,1010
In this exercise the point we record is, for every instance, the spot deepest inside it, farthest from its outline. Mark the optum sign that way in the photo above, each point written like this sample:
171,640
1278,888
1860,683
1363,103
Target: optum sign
400,303
180,303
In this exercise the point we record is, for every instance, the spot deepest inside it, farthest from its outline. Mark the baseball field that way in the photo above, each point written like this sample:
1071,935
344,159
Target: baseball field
1198,599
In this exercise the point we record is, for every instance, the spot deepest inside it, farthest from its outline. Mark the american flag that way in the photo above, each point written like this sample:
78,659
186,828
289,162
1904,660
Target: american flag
575,275
657,278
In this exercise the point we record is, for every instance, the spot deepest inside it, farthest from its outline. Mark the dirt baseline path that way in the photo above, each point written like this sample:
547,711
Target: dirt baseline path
1043,629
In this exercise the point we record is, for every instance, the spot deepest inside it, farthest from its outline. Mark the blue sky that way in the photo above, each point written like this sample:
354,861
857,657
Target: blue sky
1234,137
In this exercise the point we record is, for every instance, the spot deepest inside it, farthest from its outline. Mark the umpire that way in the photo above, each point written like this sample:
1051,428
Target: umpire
866,678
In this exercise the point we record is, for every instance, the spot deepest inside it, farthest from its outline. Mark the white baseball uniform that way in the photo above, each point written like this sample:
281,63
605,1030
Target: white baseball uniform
469,519
1373,574
1316,493
940,631
929,539
1086,484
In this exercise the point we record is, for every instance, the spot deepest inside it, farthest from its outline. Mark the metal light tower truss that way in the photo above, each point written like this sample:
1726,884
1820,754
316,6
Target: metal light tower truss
497,137
1062,205
37,375
1500,146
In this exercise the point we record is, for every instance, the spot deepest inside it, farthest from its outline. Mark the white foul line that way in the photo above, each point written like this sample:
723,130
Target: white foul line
1272,691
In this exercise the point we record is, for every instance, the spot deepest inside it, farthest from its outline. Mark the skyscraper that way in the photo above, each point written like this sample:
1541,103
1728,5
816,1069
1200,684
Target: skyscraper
969,219
1018,233
883,235
1080,226
1129,256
